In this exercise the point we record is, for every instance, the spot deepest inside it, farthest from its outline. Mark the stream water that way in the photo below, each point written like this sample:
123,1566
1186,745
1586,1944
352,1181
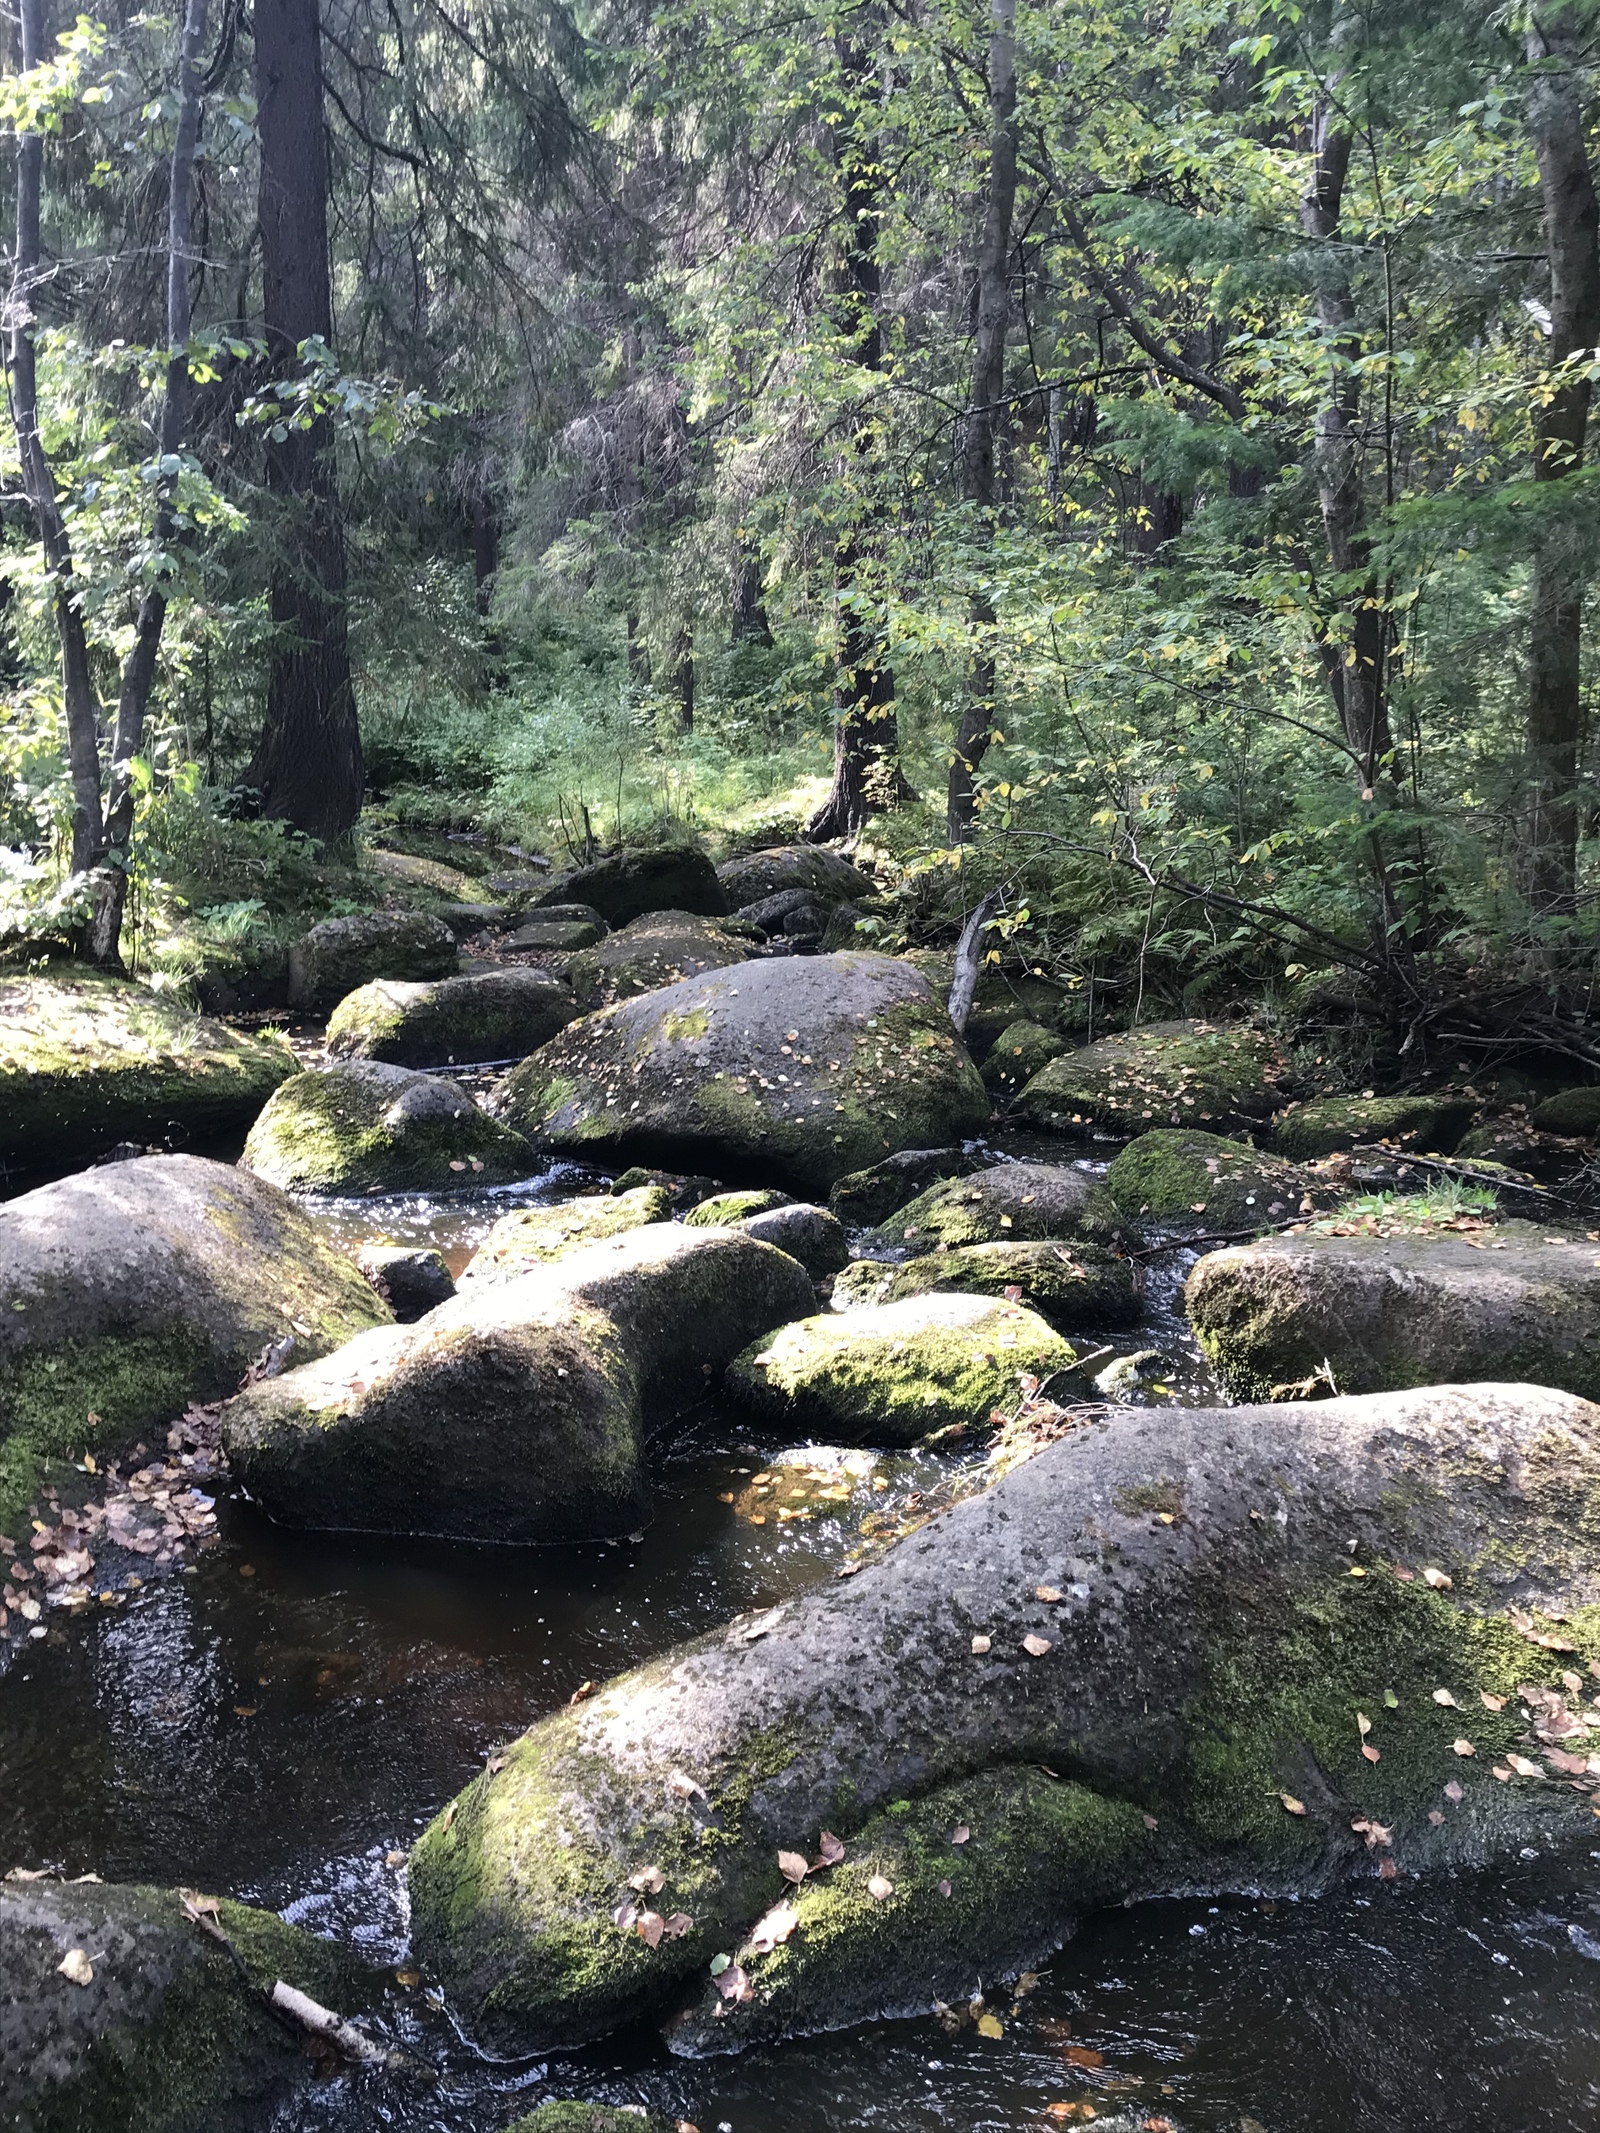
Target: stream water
280,1722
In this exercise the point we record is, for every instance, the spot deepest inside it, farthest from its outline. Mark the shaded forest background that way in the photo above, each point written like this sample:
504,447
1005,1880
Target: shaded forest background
1131,456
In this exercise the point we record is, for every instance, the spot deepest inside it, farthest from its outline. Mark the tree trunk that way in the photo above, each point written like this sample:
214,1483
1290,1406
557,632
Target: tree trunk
307,766
1572,235
139,669
750,624
1358,680
986,416
866,737
80,697
680,675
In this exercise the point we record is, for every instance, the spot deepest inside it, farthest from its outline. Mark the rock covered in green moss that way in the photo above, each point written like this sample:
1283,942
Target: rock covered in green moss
1021,1050
624,885
490,1014
734,1206
128,1292
826,876
683,1190
411,1278
1511,1305
800,1068
894,1373
650,952
365,1126
1573,1113
1515,1145
809,1234
1183,1173
333,959
532,1236
1071,1286
1198,1073
556,936
1008,1203
575,2117
1432,1125
166,2034
88,1060
516,1412
1130,1612
868,1197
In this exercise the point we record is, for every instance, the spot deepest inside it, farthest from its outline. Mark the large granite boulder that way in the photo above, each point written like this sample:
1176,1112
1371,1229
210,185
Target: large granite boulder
488,1015
1432,1125
1206,1074
1572,1113
796,1069
650,952
868,1197
343,953
1073,1287
533,1236
365,1126
894,1373
1368,1313
88,1061
519,1410
625,884
1205,1180
1175,1650
130,1291
119,2014
1007,1203
826,877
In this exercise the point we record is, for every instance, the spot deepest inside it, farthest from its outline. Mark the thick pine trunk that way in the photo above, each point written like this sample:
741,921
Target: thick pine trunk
750,624
866,737
1572,235
986,415
307,765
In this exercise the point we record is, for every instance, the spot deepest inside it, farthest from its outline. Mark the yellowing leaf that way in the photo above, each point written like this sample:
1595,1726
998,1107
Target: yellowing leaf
1444,1696
76,1966
879,1887
1293,1806
990,2026
1036,1647
792,1867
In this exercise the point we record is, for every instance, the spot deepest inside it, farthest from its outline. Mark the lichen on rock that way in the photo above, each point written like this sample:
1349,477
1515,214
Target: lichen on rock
1166,1073
532,1236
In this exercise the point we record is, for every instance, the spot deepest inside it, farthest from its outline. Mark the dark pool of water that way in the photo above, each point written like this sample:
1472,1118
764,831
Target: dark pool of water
279,1724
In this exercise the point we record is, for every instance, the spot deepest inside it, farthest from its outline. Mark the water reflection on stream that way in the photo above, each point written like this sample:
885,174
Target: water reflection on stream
279,1723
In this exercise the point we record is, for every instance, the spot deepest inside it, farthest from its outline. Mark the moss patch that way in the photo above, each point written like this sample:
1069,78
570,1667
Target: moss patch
1071,1286
1168,1073
1010,1203
1430,1124
535,1235
1182,1172
725,1207
367,1126
1021,1050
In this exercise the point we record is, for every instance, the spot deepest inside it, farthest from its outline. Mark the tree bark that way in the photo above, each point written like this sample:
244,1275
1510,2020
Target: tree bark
307,766
866,739
80,697
1356,677
750,624
680,675
139,669
1572,236
986,415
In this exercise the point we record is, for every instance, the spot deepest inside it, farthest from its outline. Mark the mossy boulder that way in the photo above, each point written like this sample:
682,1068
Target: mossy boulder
87,1061
1188,1175
518,1411
366,1126
1573,1113
734,1206
170,2034
867,1197
1431,1125
798,1070
1376,1312
1010,1203
411,1278
341,954
490,1014
625,884
1021,1050
128,1292
1071,1286
809,1234
556,936
572,2117
533,1236
827,877
1513,1143
1131,1668
682,1190
893,1373
650,952
1196,1073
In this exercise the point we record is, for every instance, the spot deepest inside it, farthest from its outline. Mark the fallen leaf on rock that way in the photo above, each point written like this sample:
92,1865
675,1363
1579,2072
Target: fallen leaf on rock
1387,1870
1444,1696
650,1925
1436,1578
1568,1765
1454,1790
945,1889
990,2026
1291,1804
1435,1817
1081,2055
792,1867
1369,1752
1036,1647
677,1925
718,1964
774,1929
584,1689
1463,1747
626,1916
1491,1703
76,1967
734,1984
879,1887
1574,1682
980,1644
829,1850
1363,1724
1047,1593
1391,1701
409,1978
1150,1822
649,1881
960,1833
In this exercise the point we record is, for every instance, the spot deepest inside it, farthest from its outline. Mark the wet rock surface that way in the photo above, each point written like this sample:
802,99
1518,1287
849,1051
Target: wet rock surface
1074,1287
1008,1202
533,1236
1163,1609
333,959
800,1070
491,1014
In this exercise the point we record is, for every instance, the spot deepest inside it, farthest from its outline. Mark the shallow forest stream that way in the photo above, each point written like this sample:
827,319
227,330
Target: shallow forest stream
281,1722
